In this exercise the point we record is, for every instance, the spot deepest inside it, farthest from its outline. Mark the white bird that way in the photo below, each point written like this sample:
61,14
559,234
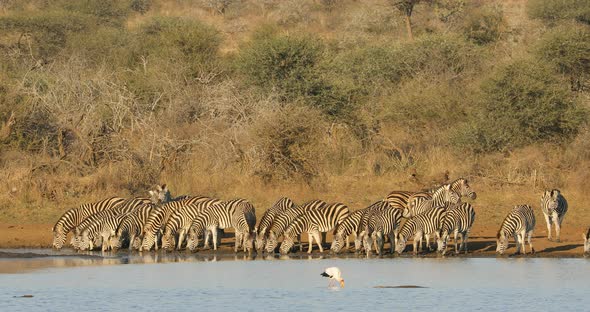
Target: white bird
334,274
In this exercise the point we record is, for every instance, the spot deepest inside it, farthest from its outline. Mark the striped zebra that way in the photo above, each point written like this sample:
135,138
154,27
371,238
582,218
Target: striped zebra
181,220
244,223
219,216
263,229
520,223
399,199
124,207
554,207
158,218
458,220
131,227
98,233
73,217
283,221
344,229
417,226
314,222
443,196
586,241
382,221
362,226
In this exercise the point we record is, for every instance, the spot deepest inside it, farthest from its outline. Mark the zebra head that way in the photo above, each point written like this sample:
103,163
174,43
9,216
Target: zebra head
400,244
551,199
260,240
271,242
287,244
451,197
59,237
358,241
463,188
192,240
148,241
367,243
168,242
115,242
136,243
501,242
161,195
337,242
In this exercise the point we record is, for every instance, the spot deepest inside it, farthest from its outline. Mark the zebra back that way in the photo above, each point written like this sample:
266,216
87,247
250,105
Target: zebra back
521,217
323,219
553,201
399,199
458,219
124,207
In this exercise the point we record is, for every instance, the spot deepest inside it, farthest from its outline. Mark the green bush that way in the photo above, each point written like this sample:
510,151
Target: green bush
484,25
553,10
523,103
568,49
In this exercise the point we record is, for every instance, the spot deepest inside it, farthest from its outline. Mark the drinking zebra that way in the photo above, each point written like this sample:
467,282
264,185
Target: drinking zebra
244,222
382,221
314,222
73,217
131,227
181,220
417,226
443,196
159,217
344,229
283,221
98,233
520,223
554,207
262,231
362,225
458,220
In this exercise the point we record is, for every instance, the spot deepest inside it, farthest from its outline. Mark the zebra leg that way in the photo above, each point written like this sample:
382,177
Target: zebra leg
463,246
310,241
214,233
319,240
455,240
206,240
517,243
323,238
417,240
180,239
530,236
557,225
548,220
300,243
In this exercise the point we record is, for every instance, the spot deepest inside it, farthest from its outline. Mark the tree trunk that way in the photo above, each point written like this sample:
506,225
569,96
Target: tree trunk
409,26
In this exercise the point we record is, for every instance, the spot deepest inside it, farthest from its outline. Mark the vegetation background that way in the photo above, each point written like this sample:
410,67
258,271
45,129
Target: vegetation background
342,100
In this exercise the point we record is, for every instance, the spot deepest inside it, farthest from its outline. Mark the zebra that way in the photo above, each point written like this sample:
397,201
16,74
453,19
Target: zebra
244,222
443,196
420,225
261,232
586,237
520,223
344,229
99,232
218,216
314,222
131,227
283,221
158,218
383,220
399,199
181,220
362,225
73,217
458,220
124,207
554,207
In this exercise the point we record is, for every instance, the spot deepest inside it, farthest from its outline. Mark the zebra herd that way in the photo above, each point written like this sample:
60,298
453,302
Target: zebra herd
194,222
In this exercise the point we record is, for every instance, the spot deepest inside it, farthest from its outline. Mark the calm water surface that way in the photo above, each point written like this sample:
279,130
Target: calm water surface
204,284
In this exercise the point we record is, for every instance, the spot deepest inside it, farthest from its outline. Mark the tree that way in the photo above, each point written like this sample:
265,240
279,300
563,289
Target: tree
407,8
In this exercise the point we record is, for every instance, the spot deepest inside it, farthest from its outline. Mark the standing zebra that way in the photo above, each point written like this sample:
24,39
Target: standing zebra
180,221
421,225
262,231
131,227
554,207
314,222
520,223
443,196
283,221
587,241
458,220
344,229
382,221
159,217
73,217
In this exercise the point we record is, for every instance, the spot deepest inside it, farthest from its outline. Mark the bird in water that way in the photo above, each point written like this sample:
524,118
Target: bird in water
334,274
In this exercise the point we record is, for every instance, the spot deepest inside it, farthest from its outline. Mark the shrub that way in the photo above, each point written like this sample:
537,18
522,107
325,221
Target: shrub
484,25
568,48
523,103
141,6
553,10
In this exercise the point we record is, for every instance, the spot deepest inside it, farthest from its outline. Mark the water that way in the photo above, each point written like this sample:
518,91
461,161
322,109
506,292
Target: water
204,284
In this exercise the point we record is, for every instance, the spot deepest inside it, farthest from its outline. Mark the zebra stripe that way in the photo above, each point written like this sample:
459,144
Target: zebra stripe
131,227
263,229
421,225
344,229
218,216
73,217
461,186
382,221
98,233
458,220
283,221
244,223
520,223
554,207
314,222
180,221
362,226
399,199
158,219
421,202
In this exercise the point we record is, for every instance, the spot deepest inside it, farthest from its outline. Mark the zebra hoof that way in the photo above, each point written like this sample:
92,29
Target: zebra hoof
558,240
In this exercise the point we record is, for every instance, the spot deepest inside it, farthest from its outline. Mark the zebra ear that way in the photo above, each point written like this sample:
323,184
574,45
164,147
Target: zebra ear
164,187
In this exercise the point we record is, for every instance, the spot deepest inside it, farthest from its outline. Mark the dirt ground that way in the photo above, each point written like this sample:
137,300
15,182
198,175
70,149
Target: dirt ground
482,242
